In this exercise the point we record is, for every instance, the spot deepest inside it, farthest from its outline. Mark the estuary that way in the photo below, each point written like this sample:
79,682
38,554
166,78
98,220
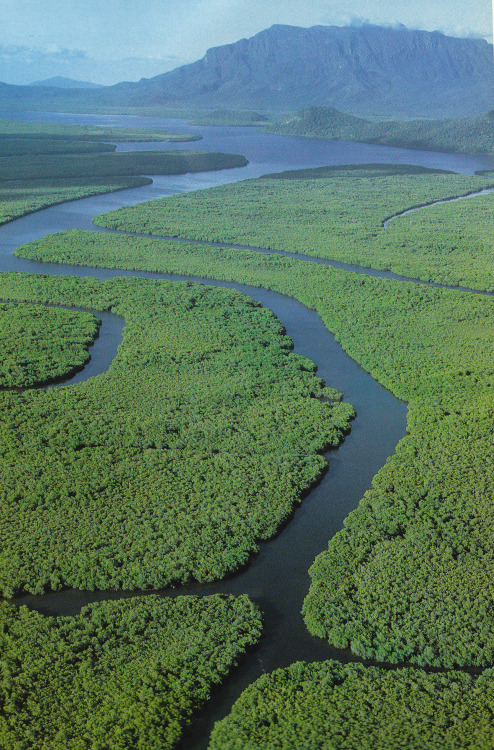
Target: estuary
277,577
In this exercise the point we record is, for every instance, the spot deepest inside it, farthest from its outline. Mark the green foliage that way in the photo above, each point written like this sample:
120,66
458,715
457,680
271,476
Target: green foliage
409,578
37,146
198,442
40,344
469,134
63,166
42,164
333,706
338,213
26,196
122,674
52,130
362,171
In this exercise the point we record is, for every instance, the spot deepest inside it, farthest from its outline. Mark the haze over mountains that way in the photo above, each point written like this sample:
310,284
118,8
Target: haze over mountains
368,70
371,70
60,82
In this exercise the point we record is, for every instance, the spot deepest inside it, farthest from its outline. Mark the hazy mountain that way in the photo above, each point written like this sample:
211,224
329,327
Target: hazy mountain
368,70
59,82
364,70
34,96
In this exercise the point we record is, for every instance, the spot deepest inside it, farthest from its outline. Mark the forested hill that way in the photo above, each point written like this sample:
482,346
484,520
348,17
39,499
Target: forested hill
364,70
465,135
367,70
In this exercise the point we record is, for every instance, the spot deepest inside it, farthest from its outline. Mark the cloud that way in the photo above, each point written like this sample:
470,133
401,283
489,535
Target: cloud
83,40
344,18
465,32
18,53
460,18
21,65
53,49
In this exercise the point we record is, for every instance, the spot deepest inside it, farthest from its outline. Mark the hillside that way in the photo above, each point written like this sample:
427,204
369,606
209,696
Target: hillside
60,82
465,135
367,70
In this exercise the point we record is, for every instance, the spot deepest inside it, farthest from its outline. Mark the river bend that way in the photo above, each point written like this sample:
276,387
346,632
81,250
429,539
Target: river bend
277,577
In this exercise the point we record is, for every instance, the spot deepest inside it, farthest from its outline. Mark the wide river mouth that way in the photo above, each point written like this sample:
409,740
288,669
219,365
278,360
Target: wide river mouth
277,577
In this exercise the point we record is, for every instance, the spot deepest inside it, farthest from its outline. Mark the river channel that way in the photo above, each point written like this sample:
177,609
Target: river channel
277,577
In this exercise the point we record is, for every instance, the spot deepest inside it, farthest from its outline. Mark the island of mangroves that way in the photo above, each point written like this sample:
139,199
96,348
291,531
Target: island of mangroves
208,430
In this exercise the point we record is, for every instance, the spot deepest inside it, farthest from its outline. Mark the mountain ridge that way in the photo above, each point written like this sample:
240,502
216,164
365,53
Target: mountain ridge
366,71
61,82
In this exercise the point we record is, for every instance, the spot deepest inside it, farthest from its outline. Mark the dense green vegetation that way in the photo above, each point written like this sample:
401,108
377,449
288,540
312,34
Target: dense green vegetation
333,706
39,344
337,213
123,674
38,146
198,442
18,198
102,165
202,474
52,130
468,135
42,164
410,576
86,248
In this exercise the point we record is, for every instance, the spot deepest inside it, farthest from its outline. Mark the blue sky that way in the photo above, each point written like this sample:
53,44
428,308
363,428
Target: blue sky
112,40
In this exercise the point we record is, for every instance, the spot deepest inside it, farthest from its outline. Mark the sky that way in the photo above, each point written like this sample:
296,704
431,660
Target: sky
107,41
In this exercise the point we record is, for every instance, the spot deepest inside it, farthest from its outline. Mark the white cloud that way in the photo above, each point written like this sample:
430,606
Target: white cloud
116,39
21,65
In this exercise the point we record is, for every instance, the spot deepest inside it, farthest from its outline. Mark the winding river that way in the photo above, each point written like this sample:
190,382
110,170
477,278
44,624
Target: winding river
277,577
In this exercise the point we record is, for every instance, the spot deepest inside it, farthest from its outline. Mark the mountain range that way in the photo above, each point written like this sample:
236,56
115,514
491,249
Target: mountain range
367,70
